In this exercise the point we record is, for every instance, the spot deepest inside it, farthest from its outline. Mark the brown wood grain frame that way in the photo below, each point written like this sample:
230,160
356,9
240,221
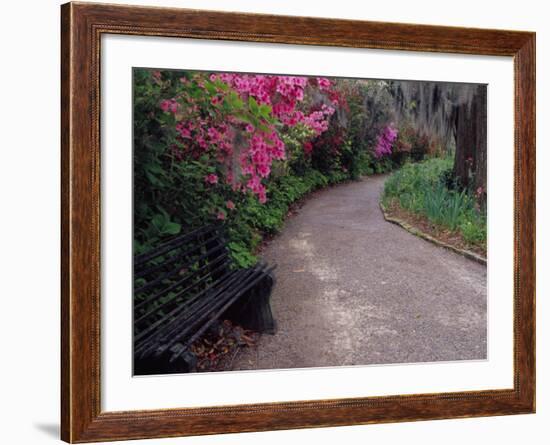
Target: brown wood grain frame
82,25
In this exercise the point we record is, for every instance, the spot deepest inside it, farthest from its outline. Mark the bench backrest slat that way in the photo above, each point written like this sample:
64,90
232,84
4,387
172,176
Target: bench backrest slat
159,262
145,315
158,283
175,281
172,330
172,244
183,311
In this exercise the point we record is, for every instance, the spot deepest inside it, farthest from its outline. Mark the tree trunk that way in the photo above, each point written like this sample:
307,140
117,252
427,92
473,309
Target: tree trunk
470,164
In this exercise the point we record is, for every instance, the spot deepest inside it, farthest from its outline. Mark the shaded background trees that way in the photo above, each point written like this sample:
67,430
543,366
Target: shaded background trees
453,116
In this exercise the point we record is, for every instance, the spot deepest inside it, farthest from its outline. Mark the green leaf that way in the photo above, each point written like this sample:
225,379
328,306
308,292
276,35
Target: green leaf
172,228
210,87
159,221
249,119
221,85
265,111
234,101
253,106
152,178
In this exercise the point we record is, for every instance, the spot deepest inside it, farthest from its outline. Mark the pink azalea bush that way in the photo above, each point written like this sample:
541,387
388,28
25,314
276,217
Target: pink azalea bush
385,141
250,107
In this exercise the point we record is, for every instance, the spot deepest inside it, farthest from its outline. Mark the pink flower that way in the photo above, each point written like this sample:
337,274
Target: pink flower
213,134
324,84
165,105
229,177
230,205
329,111
169,105
183,130
220,215
385,141
202,142
262,196
254,184
264,170
211,178
157,76
250,128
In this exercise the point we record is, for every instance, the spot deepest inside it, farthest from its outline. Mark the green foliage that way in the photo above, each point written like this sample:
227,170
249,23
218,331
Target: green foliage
473,233
297,160
252,220
422,189
161,222
445,207
383,165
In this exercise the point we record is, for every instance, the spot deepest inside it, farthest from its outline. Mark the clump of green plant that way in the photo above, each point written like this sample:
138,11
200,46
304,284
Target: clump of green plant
422,188
251,220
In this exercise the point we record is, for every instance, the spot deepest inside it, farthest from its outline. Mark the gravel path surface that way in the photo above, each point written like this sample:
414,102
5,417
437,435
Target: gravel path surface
353,289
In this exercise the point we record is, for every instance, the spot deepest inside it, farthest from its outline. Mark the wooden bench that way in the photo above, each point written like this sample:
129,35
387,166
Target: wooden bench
182,288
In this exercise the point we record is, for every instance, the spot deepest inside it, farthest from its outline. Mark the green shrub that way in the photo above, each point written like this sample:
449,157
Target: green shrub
251,221
474,233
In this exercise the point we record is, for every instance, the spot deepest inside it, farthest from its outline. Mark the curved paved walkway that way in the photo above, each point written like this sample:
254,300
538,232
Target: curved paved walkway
353,289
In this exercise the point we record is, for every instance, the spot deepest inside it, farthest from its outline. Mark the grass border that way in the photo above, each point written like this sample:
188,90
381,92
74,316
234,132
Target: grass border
417,232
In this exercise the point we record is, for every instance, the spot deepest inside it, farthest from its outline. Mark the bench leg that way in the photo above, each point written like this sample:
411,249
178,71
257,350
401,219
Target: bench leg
253,310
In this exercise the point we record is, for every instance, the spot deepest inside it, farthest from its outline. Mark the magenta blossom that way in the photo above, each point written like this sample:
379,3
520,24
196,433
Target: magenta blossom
211,178
230,205
324,84
169,105
385,141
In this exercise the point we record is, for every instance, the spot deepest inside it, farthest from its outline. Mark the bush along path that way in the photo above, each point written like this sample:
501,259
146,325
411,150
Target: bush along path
354,289
424,197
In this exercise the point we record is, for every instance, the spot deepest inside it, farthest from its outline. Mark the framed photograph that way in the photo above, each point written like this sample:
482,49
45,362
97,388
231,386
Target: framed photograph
274,222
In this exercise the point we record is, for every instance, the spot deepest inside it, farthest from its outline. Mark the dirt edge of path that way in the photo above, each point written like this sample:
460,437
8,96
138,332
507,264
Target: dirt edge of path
417,232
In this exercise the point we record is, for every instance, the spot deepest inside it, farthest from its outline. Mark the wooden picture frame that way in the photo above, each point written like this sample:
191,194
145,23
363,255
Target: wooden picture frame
82,25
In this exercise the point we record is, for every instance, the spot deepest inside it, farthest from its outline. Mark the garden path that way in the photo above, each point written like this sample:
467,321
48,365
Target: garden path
353,289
